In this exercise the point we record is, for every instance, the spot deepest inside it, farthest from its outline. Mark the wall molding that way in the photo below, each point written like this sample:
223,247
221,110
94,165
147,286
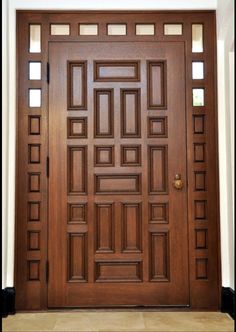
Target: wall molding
8,301
228,301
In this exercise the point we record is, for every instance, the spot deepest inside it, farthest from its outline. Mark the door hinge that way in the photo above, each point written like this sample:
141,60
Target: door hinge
47,166
48,72
47,271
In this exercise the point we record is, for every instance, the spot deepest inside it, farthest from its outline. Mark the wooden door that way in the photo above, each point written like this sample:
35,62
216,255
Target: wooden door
109,98
117,139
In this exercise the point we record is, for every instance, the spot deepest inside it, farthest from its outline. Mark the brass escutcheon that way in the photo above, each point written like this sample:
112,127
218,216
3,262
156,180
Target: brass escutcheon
178,183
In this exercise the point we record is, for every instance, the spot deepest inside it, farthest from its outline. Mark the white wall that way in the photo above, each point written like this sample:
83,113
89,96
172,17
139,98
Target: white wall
225,48
9,110
4,141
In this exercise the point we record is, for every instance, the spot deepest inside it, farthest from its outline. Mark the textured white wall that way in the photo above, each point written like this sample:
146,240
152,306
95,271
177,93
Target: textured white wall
225,47
4,141
119,4
9,110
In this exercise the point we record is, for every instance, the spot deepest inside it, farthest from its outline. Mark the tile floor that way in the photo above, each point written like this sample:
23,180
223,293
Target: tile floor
115,321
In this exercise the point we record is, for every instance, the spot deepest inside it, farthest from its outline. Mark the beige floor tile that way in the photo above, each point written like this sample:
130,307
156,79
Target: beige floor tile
107,321
101,321
188,322
30,322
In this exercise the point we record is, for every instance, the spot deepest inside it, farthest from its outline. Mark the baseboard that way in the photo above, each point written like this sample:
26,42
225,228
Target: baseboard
228,301
8,302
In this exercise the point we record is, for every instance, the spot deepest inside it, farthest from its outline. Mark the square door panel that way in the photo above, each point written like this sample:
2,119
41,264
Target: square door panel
130,155
77,127
104,156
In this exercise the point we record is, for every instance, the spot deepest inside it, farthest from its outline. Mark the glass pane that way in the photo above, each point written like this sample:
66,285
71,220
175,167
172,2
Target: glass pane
88,29
173,29
116,29
35,70
197,70
197,38
35,38
198,97
34,97
145,29
60,29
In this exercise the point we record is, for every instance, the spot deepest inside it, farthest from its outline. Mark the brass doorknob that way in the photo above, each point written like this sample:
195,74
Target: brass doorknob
178,183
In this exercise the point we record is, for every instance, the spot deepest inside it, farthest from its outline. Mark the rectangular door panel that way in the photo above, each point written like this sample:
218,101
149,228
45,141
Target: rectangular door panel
117,235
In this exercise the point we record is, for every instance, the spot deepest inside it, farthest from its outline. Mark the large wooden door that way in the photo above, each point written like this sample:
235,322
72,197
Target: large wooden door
117,139
120,103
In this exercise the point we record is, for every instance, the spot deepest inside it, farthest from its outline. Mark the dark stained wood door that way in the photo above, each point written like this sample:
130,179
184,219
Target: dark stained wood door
117,139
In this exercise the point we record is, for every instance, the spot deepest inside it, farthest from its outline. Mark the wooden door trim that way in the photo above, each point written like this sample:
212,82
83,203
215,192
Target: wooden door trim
30,265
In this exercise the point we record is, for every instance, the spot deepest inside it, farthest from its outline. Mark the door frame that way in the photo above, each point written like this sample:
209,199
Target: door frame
31,265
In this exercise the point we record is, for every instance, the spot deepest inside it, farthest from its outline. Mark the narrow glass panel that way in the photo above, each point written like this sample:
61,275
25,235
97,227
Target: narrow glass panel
35,70
116,29
60,29
173,29
35,38
197,38
198,97
88,29
197,70
34,97
145,29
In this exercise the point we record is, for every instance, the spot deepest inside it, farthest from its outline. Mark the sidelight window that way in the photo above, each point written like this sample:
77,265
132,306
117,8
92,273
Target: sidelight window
35,38
35,70
197,38
197,70
34,97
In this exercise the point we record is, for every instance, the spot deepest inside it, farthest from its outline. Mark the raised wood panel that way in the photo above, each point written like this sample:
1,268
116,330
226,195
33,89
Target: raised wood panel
104,155
131,227
77,127
199,124
158,213
156,85
77,257
77,213
200,209
130,155
118,271
201,238
33,240
159,254
103,113
34,182
77,170
157,159
199,152
117,71
130,113
33,211
157,126
34,125
33,267
104,227
118,183
77,85
201,268
200,180
34,154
